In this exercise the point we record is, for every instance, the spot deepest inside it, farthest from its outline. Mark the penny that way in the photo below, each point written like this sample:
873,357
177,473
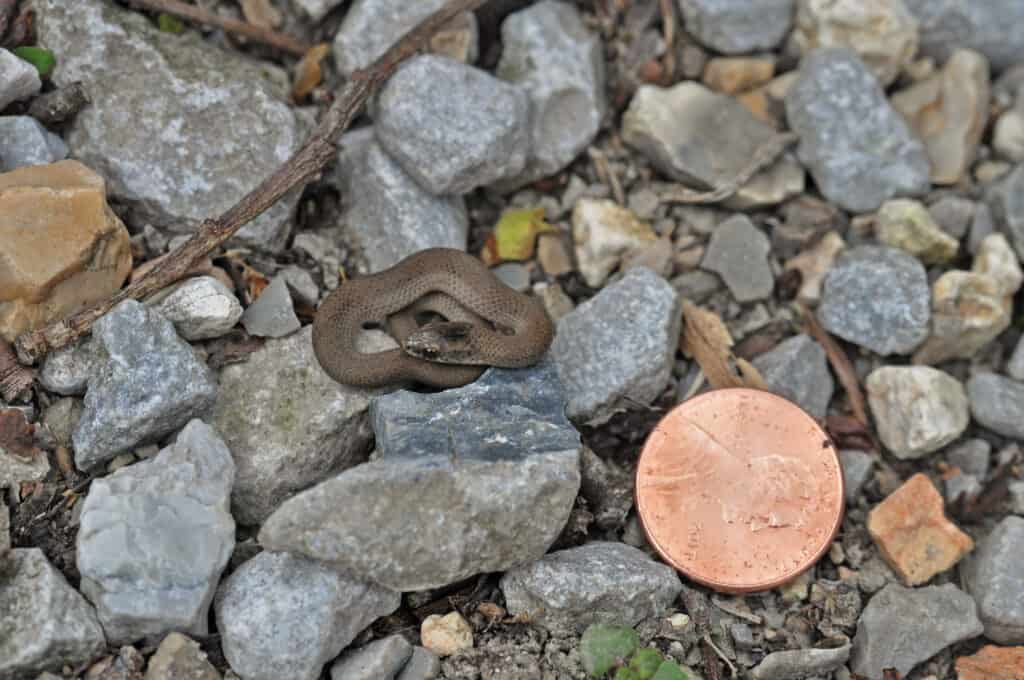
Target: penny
739,489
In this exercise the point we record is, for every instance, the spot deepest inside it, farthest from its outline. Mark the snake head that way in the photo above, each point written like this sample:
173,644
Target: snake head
444,342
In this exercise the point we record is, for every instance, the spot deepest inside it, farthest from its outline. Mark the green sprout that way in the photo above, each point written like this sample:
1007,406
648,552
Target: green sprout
606,649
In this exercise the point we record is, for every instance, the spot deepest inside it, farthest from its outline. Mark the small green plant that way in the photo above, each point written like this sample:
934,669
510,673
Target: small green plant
605,649
41,58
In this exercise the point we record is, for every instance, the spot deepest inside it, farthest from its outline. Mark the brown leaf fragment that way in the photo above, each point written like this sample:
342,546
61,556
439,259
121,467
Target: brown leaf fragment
308,73
990,498
891,674
840,364
14,378
261,13
707,340
17,435
849,433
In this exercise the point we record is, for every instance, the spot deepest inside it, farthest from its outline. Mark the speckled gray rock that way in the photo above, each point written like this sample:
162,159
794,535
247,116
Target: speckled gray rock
155,537
851,307
23,141
287,423
283,616
18,79
857,467
997,402
423,665
151,384
917,409
639,311
389,216
370,27
505,433
793,664
199,115
797,369
858,149
1015,366
738,252
548,52
66,370
272,314
44,622
200,308
993,28
901,627
738,26
379,660
599,582
995,579
476,134
1006,201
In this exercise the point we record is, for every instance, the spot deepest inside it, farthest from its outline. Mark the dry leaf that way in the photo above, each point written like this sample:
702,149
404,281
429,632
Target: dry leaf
515,235
308,73
261,13
707,340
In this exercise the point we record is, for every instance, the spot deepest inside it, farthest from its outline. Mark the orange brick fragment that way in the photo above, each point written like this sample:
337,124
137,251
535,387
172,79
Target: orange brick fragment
911,530
992,663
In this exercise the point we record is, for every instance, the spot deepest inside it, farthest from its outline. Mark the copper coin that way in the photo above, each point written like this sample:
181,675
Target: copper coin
739,489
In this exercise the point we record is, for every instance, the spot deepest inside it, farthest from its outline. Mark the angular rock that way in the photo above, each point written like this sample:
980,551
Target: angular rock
604,232
797,369
446,635
858,149
997,403
547,51
953,215
287,423
738,252
1006,200
857,467
894,323
599,582
995,580
996,258
67,370
640,311
476,134
63,247
800,663
971,456
24,142
15,468
423,665
151,384
992,28
969,310
272,314
917,409
505,433
301,285
44,623
379,660
901,627
284,616
913,534
992,663
906,224
207,113
370,27
738,26
18,79
200,308
813,264
179,657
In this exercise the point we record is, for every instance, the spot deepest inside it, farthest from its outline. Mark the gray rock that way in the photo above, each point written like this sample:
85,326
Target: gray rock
953,214
200,308
15,469
857,466
5,527
287,423
151,384
971,456
155,537
476,134
608,490
966,486
1006,201
995,579
858,149
283,616
44,623
793,664
272,314
66,371
738,252
514,275
797,369
18,79
172,117
738,26
992,28
696,286
599,582
372,26
1015,366
894,323
389,216
23,141
997,403
316,9
301,285
548,52
432,526
423,665
180,658
639,311
379,660
901,627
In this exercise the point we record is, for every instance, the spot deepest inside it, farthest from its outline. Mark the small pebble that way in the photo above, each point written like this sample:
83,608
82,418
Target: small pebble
272,314
446,635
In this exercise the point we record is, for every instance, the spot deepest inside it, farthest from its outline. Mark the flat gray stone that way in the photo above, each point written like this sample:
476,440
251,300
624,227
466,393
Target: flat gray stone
172,118
287,423
793,664
18,79
599,582
272,314
44,623
857,466
797,369
475,134
993,28
901,627
155,537
1006,201
851,307
379,660
370,27
738,253
858,149
1015,366
423,665
995,579
547,51
639,311
997,402
23,141
738,26
284,616
200,308
66,370
151,384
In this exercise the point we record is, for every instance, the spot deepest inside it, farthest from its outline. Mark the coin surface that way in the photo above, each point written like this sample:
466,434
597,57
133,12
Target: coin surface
739,489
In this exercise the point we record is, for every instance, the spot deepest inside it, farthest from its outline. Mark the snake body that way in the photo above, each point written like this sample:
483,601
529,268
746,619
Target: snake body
487,323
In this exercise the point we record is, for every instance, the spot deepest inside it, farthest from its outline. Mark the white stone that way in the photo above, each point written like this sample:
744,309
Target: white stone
917,409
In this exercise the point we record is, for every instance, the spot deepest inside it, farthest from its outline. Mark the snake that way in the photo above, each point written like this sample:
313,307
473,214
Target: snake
449,312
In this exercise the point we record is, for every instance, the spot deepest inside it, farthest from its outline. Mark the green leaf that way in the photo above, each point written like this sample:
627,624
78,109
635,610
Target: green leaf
624,674
602,647
645,663
168,23
42,59
670,670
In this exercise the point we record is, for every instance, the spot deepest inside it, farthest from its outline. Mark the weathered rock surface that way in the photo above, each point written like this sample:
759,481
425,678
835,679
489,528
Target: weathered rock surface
738,26
917,409
797,369
604,233
738,253
969,310
997,402
200,308
995,580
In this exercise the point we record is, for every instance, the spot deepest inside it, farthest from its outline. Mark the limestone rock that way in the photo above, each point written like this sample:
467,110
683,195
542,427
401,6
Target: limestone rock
917,409
906,224
969,310
604,232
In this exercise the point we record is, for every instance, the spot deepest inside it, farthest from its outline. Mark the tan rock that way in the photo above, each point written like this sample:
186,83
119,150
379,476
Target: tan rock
768,102
604,232
992,663
738,74
446,635
813,264
906,224
179,657
1008,135
969,310
554,255
63,247
997,258
912,532
948,111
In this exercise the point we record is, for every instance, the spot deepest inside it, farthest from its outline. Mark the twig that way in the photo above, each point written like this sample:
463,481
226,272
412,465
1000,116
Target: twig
840,363
14,378
604,171
201,16
304,166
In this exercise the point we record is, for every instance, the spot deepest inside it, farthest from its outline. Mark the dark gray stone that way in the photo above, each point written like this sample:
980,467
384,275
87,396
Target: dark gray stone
858,149
696,286
1006,200
738,26
997,402
18,79
982,225
995,578
23,141
738,253
797,369
379,660
992,27
794,664
953,214
423,665
857,466
272,314
971,456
